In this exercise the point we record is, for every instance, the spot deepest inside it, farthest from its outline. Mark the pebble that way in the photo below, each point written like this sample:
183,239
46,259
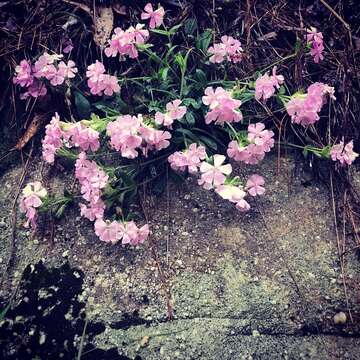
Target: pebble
340,318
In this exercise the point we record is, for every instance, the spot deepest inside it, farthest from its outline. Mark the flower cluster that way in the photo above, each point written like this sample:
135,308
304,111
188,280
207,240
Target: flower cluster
266,85
92,181
223,108
58,134
259,141
82,136
188,159
215,175
228,49
46,68
129,133
115,231
32,198
304,108
173,112
343,153
156,17
99,82
315,40
52,140
124,42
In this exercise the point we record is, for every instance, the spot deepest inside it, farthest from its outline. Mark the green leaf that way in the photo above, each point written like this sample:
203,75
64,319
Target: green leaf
170,52
179,60
83,106
163,72
188,133
200,76
4,311
160,32
173,30
106,109
190,119
203,41
208,142
190,101
282,90
127,180
60,211
190,26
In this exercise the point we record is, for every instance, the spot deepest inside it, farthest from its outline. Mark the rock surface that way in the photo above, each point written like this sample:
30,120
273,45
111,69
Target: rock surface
266,284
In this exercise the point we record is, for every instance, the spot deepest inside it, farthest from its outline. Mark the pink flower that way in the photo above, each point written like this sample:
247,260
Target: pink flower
69,70
190,158
233,48
304,108
178,161
155,139
218,53
223,107
175,111
237,152
125,136
143,234
313,35
258,135
32,196
91,178
94,71
140,35
212,98
107,231
234,194
68,46
231,193
243,205
265,85
94,211
156,17
99,82
56,78
110,84
260,141
194,156
316,52
36,89
229,49
214,175
83,137
163,119
44,67
52,140
129,233
124,42
343,153
315,40
23,75
254,185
